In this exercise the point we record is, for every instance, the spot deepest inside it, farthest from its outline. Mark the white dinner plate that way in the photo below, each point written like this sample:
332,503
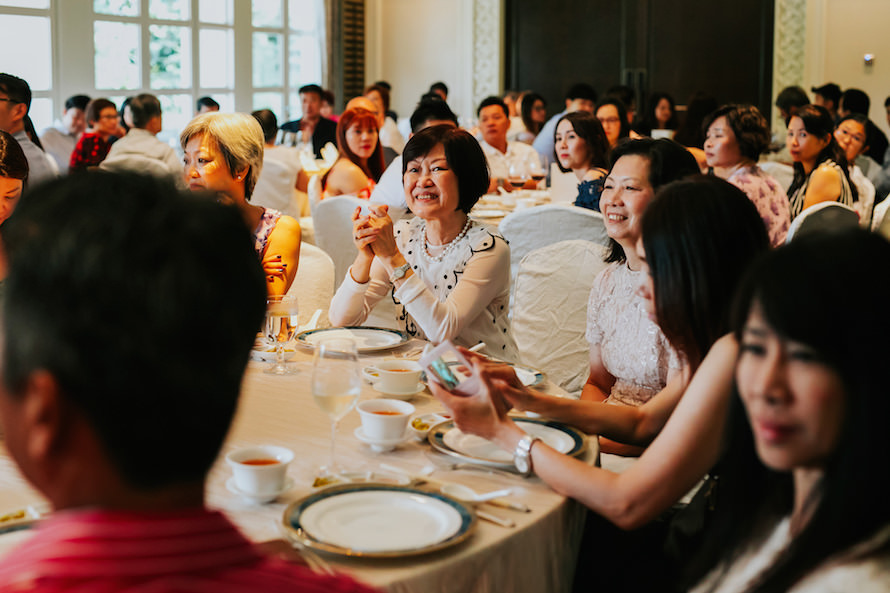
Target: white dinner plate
367,339
378,520
448,439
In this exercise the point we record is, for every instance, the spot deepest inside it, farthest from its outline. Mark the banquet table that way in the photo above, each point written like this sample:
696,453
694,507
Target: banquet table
536,555
492,208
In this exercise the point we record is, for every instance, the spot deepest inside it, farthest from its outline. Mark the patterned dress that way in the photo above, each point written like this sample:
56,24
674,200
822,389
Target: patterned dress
264,229
769,198
632,347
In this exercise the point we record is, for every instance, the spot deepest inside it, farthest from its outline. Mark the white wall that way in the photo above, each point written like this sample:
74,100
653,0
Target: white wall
413,43
839,33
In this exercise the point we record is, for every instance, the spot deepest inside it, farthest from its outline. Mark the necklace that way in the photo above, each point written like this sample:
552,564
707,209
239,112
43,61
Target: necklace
449,247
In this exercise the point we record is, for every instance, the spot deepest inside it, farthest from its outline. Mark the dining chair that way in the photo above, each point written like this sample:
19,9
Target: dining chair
880,222
313,191
822,217
563,185
532,228
314,284
550,310
332,219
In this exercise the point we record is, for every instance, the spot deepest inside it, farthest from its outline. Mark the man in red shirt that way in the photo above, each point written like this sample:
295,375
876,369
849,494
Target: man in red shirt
108,274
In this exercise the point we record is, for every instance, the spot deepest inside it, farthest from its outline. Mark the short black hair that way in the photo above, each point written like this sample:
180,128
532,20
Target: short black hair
830,91
581,90
747,124
13,163
107,273
143,108
95,107
431,110
492,100
464,156
623,93
856,101
17,89
206,102
887,102
384,84
439,86
311,88
77,102
791,97
268,122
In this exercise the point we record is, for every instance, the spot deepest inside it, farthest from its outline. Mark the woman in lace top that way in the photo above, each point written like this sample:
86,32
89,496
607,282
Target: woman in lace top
736,136
820,167
224,154
580,146
802,504
449,276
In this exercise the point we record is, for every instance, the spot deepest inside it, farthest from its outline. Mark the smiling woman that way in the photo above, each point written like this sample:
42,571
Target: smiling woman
449,275
13,179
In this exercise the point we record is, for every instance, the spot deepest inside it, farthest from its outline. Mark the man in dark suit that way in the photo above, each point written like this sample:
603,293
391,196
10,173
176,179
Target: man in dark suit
322,130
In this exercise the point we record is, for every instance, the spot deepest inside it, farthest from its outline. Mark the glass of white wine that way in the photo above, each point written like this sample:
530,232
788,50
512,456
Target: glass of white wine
336,384
279,329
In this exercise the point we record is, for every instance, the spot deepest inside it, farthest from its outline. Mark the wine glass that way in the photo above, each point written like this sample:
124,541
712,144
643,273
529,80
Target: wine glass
336,384
280,328
518,173
537,172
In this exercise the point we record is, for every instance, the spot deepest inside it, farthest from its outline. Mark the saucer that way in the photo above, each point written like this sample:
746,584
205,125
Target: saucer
255,498
380,446
401,394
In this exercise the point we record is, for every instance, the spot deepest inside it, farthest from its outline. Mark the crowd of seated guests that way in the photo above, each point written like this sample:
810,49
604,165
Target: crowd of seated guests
704,362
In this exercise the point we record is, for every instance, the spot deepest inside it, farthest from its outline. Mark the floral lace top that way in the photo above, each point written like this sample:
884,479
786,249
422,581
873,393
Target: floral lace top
264,229
632,347
769,198
589,192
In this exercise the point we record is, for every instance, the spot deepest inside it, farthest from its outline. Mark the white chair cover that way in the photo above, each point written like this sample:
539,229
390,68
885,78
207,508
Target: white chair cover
880,222
532,228
314,284
332,218
275,188
550,310
822,217
313,191
782,173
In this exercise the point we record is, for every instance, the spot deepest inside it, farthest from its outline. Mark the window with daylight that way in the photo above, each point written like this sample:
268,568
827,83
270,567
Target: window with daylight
179,50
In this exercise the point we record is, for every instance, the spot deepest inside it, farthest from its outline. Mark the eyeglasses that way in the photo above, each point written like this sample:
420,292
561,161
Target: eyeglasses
609,120
8,100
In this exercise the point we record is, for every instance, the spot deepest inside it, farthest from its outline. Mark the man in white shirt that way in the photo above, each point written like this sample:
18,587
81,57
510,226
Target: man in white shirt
15,102
140,150
581,97
494,121
60,139
389,190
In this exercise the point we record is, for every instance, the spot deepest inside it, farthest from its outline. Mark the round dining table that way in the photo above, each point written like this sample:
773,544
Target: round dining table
537,554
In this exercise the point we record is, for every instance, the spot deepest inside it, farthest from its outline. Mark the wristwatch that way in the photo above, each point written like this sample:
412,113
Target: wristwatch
522,456
399,272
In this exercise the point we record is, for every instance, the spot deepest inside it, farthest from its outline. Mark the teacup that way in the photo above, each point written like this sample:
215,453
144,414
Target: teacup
384,419
395,376
526,202
260,471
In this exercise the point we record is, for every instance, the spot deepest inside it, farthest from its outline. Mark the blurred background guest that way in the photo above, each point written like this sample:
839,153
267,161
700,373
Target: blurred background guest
736,136
579,97
851,136
533,114
205,105
581,147
361,156
13,181
820,167
94,144
277,183
660,115
60,140
613,116
388,128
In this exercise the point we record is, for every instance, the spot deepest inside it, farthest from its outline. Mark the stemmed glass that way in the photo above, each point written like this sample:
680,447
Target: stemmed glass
537,172
518,173
336,384
280,328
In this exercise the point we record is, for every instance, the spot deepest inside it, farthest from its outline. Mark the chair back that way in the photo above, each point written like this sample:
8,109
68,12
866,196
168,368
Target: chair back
313,191
533,228
563,185
880,222
275,188
314,284
822,217
782,173
550,309
332,220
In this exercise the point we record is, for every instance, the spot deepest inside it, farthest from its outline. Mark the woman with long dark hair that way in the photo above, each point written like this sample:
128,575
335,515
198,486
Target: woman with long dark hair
580,146
804,485
820,167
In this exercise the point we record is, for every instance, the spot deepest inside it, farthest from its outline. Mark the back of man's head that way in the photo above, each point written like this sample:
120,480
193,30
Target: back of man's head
77,102
16,89
581,90
143,108
205,104
855,101
790,98
143,305
430,109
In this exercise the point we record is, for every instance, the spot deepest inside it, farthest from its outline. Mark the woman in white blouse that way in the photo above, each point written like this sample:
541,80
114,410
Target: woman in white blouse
449,276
